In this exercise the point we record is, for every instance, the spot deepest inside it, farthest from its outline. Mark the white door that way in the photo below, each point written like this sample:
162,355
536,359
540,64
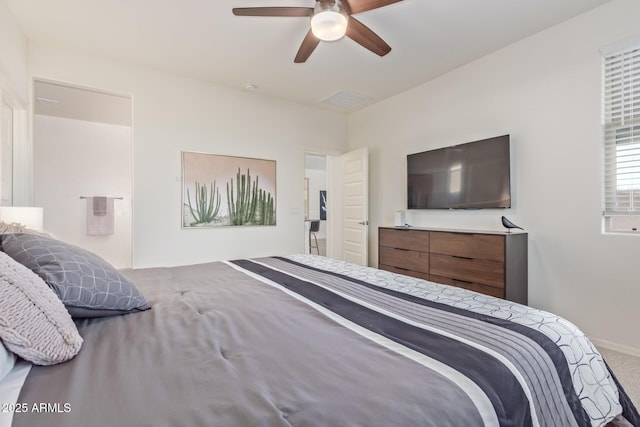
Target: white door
355,205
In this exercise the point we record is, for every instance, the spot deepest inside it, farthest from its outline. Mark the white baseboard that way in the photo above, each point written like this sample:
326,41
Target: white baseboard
616,347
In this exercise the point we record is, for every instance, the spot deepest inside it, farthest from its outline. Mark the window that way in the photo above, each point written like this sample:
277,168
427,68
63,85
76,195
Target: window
622,140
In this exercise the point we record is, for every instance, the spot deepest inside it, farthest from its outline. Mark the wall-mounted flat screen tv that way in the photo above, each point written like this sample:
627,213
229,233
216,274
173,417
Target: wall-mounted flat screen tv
474,175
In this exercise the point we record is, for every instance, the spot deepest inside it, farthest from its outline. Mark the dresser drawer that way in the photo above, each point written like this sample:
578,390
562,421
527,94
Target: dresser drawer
468,270
479,246
414,240
409,260
411,273
476,287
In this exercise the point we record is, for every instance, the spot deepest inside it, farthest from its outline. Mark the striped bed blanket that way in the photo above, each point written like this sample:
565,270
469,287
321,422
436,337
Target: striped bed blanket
532,367
305,340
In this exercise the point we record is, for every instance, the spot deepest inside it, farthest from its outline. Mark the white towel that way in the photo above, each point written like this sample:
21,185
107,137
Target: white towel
99,205
100,222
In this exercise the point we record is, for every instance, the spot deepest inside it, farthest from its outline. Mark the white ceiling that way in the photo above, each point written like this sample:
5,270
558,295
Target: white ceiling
204,40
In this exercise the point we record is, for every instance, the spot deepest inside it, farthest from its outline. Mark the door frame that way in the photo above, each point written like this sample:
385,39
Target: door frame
73,95
22,187
336,228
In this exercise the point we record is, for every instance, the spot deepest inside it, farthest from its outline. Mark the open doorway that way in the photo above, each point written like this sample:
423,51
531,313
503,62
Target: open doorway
83,164
339,184
315,205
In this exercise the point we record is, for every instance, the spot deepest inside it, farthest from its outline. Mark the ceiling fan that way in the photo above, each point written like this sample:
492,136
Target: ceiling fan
330,20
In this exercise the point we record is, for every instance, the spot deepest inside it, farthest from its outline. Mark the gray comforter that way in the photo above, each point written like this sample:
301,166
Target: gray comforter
275,342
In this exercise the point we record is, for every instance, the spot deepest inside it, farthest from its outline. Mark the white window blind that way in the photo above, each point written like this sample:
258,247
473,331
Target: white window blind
622,133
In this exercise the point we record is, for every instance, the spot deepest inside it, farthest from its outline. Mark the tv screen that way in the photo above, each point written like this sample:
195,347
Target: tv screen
467,176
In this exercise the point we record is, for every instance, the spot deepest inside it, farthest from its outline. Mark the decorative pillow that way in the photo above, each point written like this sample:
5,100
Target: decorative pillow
7,228
85,283
7,361
33,322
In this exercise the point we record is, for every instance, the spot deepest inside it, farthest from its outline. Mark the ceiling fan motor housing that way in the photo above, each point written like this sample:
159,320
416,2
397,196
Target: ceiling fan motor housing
329,21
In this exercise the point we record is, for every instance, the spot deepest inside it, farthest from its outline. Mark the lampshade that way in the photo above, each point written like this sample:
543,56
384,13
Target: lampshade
329,21
30,217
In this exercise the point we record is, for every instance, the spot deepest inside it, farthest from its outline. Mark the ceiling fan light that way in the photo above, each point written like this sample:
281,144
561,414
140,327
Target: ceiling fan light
329,24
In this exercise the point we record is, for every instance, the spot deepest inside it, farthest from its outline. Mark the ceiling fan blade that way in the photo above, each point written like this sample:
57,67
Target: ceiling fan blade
273,11
358,6
361,34
306,48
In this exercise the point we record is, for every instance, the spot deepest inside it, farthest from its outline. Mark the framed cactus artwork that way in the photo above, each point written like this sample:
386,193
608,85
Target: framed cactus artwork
220,191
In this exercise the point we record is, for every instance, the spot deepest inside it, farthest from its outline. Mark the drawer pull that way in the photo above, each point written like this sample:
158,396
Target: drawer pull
460,257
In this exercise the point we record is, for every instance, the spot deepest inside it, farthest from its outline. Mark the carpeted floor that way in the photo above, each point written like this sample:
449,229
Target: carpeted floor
627,370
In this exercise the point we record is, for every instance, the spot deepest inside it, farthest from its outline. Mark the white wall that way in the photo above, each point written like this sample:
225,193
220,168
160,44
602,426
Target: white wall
171,114
14,89
545,92
13,55
74,158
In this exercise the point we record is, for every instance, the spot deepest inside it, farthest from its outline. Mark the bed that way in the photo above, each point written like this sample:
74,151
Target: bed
305,340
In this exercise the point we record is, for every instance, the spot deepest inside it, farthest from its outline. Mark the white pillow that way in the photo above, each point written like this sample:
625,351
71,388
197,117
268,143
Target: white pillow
34,324
7,360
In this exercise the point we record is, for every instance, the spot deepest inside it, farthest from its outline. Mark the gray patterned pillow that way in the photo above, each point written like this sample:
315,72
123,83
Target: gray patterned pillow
87,285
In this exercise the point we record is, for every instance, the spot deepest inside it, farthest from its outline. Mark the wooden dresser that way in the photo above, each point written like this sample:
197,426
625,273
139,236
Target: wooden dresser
492,263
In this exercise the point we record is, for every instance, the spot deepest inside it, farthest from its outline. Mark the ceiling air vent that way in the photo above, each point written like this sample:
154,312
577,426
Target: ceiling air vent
346,100
47,101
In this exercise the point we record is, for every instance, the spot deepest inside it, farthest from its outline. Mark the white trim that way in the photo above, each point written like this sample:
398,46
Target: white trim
22,192
631,351
623,44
